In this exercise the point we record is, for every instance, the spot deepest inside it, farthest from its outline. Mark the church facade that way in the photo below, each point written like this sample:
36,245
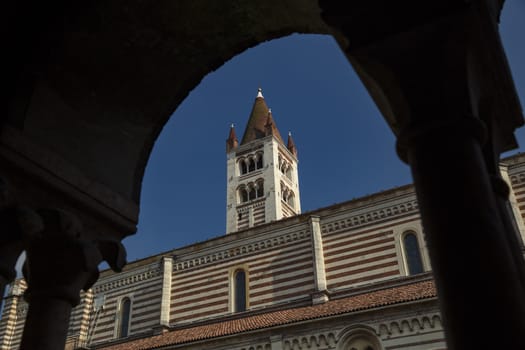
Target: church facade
351,276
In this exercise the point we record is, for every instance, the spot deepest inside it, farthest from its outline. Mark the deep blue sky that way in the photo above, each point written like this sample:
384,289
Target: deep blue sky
345,147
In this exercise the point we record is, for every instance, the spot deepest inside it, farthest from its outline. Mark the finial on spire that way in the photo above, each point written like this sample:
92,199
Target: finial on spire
232,126
291,145
269,111
231,141
259,93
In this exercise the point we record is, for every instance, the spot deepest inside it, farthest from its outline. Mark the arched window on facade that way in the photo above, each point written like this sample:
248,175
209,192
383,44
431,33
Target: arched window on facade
242,194
252,194
239,290
360,339
259,161
124,318
260,189
242,167
290,199
251,165
412,254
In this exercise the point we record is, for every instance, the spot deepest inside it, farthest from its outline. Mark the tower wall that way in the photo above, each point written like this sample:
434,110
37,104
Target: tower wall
266,206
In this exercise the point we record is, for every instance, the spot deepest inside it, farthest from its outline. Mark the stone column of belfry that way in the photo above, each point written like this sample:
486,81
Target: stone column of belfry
320,294
432,73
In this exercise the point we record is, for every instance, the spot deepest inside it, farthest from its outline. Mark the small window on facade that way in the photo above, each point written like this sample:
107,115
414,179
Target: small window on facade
260,190
243,195
239,291
124,317
243,167
412,254
240,216
289,173
252,194
251,166
260,162
290,200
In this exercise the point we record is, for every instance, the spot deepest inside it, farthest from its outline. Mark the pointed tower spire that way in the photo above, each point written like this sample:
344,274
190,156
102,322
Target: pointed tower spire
232,141
291,145
256,126
269,126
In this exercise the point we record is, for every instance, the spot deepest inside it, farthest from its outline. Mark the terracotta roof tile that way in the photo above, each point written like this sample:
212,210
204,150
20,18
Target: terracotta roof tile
369,300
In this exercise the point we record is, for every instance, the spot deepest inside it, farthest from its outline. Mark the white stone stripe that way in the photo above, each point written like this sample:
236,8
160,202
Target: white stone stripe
357,259
219,292
139,319
295,294
355,240
270,288
368,266
211,280
285,265
370,272
192,292
329,255
273,277
205,298
151,307
210,311
205,273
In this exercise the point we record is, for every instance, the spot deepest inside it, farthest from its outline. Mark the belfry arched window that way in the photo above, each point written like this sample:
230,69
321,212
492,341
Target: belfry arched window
259,164
251,191
239,290
124,315
289,172
260,189
242,167
291,199
252,194
242,194
251,165
412,253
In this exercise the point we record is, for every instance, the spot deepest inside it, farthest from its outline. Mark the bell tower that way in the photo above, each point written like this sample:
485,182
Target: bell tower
262,177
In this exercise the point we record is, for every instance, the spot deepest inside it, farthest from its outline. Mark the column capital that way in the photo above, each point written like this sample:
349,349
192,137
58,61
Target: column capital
61,260
439,132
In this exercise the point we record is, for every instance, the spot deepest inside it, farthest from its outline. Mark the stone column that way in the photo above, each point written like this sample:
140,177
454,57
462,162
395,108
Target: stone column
434,70
321,294
513,207
17,225
60,262
475,271
167,269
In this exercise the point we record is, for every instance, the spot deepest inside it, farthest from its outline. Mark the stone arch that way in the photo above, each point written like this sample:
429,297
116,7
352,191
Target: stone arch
358,337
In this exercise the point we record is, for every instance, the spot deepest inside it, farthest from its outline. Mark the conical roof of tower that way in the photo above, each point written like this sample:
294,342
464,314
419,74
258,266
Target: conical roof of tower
231,141
291,145
260,119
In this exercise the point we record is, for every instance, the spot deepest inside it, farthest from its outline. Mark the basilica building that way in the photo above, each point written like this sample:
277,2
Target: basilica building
352,276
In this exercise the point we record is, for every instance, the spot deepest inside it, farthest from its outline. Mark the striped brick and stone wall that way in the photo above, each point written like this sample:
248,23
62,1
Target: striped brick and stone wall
278,264
142,284
513,171
13,316
362,239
